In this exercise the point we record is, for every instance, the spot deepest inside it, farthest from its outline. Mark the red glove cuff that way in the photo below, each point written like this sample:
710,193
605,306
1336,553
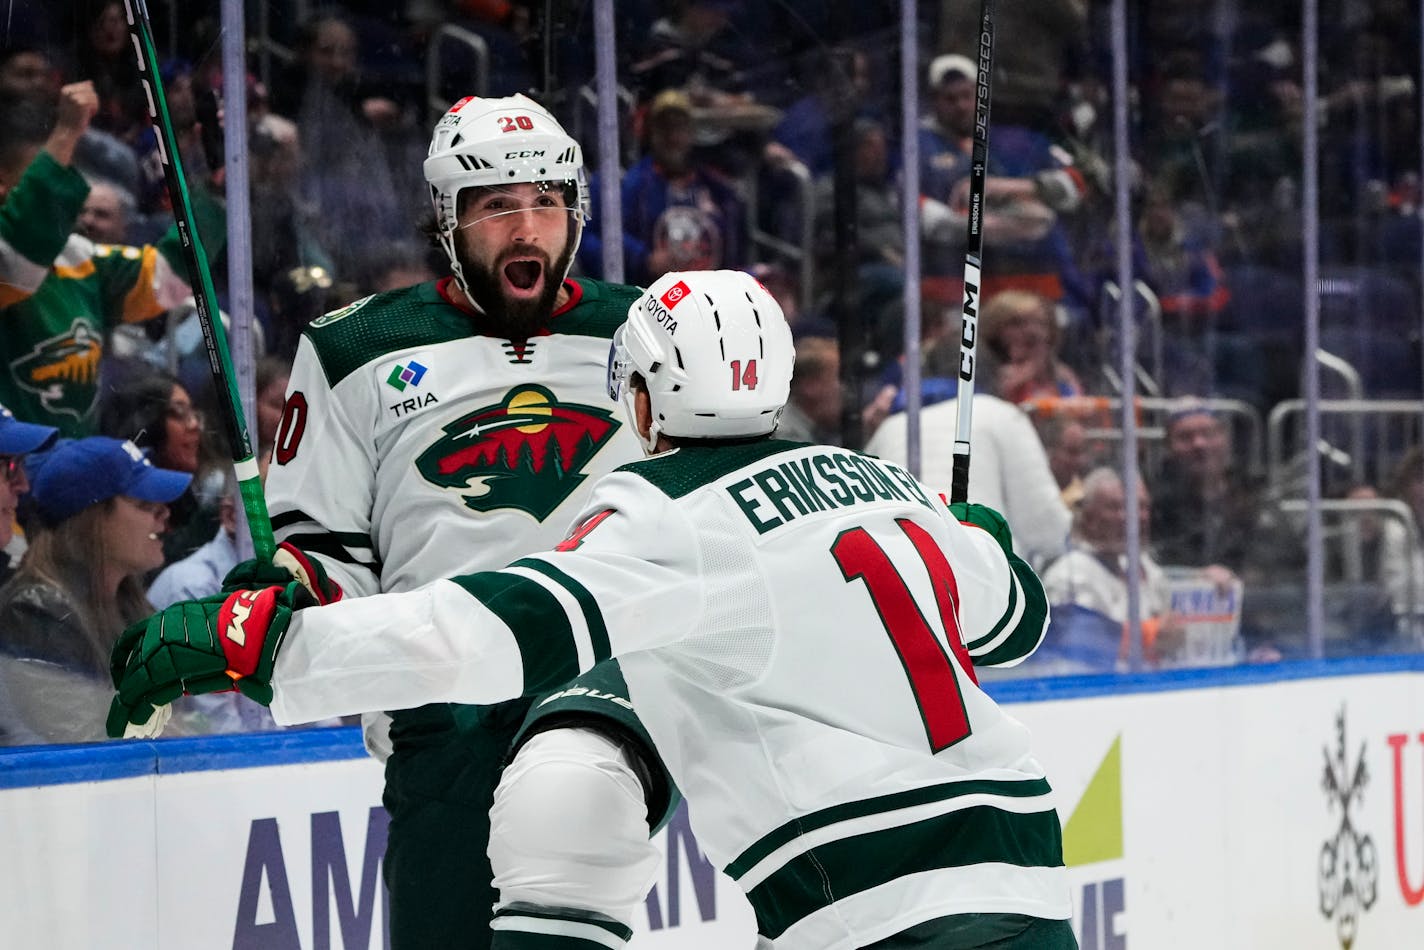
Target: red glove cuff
243,622
312,577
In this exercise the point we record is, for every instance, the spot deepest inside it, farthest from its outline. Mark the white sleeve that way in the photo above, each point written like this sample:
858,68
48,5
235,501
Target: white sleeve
321,484
1032,502
630,582
888,441
1003,611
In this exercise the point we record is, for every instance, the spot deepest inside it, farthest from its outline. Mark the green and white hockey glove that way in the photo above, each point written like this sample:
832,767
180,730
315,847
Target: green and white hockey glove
211,645
983,516
287,563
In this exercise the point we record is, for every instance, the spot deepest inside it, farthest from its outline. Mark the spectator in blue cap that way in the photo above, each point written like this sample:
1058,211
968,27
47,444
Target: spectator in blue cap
17,439
102,511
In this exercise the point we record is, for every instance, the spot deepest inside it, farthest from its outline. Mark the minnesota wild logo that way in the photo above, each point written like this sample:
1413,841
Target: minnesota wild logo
63,371
528,452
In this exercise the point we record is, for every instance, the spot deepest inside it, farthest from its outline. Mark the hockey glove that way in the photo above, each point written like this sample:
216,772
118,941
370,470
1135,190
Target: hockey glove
983,516
287,563
210,645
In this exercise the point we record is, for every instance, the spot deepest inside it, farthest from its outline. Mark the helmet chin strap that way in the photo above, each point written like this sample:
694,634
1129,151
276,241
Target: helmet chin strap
649,442
447,243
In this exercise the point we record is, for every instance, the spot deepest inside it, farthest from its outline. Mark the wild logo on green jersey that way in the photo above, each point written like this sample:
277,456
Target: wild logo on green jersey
527,452
63,371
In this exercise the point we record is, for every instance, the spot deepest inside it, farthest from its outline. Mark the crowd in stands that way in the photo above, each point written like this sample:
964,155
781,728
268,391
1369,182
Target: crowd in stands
764,137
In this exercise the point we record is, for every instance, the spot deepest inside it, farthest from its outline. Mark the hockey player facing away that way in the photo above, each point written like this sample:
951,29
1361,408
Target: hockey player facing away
797,623
451,427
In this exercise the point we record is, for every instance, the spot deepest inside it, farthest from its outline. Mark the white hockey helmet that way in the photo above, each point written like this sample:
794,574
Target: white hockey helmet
715,352
490,142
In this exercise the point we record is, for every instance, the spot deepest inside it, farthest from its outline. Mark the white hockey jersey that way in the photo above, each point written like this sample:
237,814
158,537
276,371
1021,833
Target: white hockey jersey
795,624
413,448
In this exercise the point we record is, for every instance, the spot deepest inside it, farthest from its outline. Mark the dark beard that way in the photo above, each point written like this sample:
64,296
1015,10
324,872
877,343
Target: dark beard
514,319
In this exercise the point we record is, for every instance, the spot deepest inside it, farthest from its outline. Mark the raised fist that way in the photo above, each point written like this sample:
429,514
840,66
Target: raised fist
78,102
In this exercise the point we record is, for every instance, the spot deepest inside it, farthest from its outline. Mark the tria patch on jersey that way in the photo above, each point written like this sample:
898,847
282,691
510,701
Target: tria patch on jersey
529,452
63,371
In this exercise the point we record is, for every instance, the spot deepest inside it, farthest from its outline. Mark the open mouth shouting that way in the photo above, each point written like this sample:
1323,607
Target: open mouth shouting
524,276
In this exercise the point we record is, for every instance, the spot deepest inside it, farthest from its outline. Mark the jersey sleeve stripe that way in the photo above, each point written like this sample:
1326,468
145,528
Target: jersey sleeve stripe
1011,613
288,519
329,545
1025,633
538,621
21,276
980,837
554,926
588,605
578,631
882,805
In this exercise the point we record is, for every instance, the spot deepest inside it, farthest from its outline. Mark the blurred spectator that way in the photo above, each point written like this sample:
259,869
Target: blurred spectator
1401,562
1179,266
103,511
950,102
60,293
940,326
1358,595
678,212
510,32
879,236
703,46
1070,457
1019,332
1181,132
359,144
1370,108
801,148
106,214
783,283
837,82
1088,585
271,386
154,411
1050,43
404,264
105,56
201,156
1008,470
291,271
201,573
813,413
30,72
17,439
1205,508
1030,182
1208,513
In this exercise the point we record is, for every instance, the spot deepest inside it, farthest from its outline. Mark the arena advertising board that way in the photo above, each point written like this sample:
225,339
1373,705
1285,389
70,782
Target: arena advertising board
1285,813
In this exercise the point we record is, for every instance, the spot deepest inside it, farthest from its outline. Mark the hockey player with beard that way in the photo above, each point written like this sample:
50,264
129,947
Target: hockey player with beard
447,428
799,623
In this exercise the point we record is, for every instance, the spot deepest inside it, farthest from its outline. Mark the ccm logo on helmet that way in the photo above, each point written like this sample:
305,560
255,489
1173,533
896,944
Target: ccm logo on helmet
526,153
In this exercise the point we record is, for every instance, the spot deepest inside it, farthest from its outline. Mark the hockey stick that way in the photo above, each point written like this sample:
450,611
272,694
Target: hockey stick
201,280
973,255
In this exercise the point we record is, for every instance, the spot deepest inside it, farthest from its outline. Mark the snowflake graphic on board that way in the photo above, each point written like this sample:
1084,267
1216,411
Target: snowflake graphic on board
1349,866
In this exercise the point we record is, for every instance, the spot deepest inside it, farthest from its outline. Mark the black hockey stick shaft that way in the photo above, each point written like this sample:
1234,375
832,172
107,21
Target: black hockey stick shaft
201,280
973,256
